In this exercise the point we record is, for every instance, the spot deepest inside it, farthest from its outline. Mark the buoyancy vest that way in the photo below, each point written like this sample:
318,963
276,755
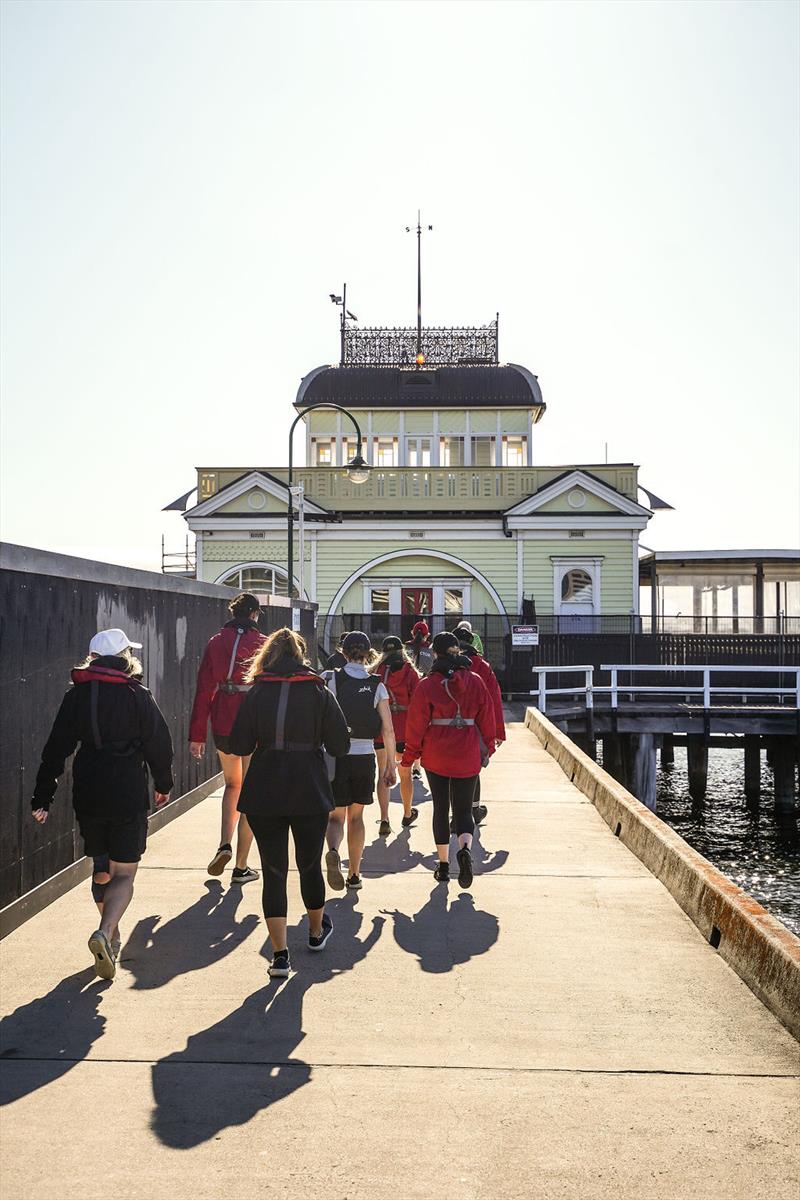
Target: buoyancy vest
94,676
356,697
227,685
285,682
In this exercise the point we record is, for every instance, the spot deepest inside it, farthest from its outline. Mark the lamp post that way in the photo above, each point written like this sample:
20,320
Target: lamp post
357,469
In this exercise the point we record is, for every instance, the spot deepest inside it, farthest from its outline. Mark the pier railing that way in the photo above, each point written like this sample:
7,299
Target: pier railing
589,689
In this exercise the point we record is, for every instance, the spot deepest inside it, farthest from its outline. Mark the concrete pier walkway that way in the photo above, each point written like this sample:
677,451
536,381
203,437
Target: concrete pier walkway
561,1030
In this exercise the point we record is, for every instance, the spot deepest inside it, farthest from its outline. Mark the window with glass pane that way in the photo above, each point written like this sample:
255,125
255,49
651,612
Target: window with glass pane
380,600
349,445
451,452
418,451
483,452
576,587
261,580
385,452
514,451
453,600
324,457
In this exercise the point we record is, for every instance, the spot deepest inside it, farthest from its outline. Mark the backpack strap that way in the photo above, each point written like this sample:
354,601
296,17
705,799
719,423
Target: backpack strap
94,688
457,722
227,685
280,720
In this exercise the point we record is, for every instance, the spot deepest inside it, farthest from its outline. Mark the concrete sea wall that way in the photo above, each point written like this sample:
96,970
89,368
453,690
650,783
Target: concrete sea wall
762,951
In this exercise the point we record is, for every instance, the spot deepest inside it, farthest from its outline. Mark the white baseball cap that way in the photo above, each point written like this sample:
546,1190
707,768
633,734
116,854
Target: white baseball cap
111,641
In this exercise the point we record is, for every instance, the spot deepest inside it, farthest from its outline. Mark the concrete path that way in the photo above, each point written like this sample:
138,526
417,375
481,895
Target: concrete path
562,1030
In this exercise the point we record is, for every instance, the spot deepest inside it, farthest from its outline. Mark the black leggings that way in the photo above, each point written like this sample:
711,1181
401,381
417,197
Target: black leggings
272,835
444,792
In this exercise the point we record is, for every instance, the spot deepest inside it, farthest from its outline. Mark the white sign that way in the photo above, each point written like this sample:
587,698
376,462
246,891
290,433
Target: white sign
296,619
524,635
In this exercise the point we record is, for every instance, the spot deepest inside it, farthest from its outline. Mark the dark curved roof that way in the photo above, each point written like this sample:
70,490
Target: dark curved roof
507,386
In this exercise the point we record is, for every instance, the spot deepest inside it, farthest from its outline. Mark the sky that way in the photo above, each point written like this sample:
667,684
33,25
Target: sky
183,184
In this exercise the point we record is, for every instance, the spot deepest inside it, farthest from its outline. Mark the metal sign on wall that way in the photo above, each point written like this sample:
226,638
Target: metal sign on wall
524,635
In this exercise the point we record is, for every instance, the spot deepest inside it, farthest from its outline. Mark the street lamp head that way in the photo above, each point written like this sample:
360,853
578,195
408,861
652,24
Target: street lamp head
358,469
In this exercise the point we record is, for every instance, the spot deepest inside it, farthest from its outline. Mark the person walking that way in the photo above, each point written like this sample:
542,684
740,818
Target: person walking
481,667
120,732
284,722
400,678
475,641
419,648
364,701
221,688
450,727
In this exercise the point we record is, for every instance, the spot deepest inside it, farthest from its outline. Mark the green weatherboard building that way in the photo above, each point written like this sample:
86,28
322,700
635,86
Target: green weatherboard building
456,516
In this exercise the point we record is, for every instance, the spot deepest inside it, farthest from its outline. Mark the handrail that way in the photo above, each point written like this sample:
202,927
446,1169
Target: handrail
705,689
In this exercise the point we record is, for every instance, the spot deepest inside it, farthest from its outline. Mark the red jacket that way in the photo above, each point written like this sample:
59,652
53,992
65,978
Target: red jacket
223,706
481,667
447,749
401,686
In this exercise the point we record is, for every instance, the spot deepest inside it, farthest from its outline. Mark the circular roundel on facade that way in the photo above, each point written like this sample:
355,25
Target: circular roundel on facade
576,498
257,500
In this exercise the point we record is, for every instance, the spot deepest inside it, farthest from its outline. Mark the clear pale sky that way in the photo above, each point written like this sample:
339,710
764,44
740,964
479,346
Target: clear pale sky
184,184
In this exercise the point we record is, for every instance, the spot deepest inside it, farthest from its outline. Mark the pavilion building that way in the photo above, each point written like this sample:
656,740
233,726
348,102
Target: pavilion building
456,518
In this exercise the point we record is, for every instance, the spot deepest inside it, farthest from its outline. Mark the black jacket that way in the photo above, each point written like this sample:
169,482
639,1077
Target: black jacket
288,782
133,734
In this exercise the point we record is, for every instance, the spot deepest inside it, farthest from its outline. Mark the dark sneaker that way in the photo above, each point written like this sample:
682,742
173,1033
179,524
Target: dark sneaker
319,943
244,875
384,829
479,813
442,873
333,867
100,947
354,883
280,966
464,867
220,860
410,819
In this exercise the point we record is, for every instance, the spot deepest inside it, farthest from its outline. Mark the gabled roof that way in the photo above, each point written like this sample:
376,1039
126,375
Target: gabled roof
577,479
269,484
492,386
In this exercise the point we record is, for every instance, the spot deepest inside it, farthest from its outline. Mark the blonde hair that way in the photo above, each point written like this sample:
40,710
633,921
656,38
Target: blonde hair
280,644
132,664
368,657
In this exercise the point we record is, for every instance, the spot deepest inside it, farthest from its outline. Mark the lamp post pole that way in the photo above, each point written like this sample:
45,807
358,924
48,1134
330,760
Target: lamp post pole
356,467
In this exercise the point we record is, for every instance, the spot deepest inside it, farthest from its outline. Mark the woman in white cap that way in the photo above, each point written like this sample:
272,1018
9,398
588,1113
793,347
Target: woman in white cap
121,732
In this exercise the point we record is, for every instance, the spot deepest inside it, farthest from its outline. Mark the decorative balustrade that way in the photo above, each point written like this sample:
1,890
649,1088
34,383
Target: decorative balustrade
490,488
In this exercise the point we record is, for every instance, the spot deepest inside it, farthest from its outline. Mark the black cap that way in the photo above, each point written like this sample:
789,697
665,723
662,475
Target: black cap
392,643
356,640
442,643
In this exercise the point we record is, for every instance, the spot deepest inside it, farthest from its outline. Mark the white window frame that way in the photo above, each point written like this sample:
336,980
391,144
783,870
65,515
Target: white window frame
562,565
439,586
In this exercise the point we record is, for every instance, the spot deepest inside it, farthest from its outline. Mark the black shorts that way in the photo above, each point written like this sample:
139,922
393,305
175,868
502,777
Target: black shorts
123,839
354,781
222,742
399,746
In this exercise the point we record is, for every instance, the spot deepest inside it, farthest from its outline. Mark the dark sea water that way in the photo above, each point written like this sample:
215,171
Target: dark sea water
750,845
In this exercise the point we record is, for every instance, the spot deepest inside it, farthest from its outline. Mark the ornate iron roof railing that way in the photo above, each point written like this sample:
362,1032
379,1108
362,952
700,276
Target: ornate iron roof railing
467,347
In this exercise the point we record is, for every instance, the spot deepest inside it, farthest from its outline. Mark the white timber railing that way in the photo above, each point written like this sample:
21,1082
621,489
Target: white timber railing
705,689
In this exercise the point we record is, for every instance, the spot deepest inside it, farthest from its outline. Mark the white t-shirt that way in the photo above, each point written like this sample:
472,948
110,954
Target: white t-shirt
359,671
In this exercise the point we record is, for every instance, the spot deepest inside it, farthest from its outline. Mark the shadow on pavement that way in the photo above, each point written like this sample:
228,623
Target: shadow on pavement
201,935
51,1034
393,856
195,1100
441,935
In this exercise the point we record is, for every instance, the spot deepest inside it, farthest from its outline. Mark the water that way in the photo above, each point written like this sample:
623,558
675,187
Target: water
747,843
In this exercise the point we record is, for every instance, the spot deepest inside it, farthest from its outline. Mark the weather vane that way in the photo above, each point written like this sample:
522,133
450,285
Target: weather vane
409,229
